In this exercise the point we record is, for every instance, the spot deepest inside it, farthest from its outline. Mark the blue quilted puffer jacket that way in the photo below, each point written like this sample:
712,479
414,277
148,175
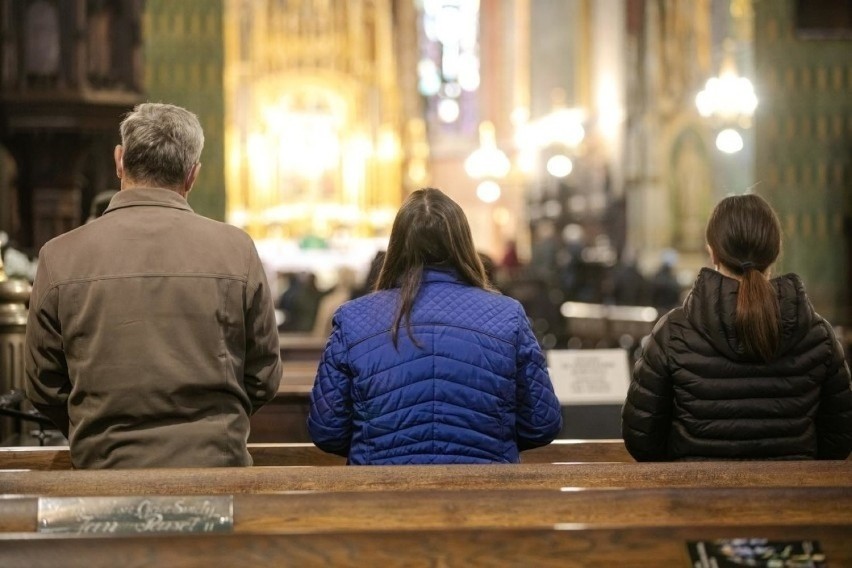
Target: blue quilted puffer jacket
476,390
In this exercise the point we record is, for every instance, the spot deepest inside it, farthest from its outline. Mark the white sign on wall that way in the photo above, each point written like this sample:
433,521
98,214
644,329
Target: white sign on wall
589,376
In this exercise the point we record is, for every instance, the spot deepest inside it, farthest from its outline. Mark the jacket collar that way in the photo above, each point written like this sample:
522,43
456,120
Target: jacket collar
433,273
147,196
436,273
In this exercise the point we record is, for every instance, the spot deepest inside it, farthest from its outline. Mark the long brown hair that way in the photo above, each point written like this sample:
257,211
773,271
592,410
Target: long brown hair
745,235
429,229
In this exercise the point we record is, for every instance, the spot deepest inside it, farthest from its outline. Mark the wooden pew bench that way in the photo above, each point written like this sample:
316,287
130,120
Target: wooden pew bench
425,477
570,451
507,508
448,516
563,547
58,458
567,546
287,454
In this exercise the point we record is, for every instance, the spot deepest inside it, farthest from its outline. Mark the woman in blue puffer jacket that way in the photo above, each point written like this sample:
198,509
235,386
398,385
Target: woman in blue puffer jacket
435,366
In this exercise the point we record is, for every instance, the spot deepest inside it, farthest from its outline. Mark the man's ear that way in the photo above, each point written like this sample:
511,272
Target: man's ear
191,177
118,154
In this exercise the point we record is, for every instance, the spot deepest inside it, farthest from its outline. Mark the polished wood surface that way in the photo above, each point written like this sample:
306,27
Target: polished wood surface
381,478
58,458
563,547
505,508
578,451
306,454
283,454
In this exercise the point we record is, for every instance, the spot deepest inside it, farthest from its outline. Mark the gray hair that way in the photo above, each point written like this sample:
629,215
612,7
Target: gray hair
161,143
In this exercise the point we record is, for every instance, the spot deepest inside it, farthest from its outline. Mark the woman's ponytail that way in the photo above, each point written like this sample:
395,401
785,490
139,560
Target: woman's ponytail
745,236
757,317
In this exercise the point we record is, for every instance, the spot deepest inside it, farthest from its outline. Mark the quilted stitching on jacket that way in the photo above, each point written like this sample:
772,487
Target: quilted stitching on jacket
474,389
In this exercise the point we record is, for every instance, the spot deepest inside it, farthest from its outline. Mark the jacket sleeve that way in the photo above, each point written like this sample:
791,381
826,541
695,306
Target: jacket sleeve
647,413
47,382
330,416
262,369
834,416
539,417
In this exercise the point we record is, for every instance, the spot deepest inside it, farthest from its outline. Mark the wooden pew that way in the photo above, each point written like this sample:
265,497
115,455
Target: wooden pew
283,418
382,478
610,450
563,547
58,458
282,454
301,347
507,508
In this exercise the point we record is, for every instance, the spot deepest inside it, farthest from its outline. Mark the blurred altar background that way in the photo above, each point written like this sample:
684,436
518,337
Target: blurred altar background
587,140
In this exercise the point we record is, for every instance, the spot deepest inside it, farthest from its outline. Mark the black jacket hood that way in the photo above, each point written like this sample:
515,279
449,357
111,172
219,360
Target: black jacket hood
711,307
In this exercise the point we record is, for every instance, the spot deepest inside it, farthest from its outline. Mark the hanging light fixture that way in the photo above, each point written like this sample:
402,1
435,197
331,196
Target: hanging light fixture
487,163
560,130
728,97
729,100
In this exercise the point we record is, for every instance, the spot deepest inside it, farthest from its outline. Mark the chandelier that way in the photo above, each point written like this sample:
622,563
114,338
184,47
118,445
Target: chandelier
730,101
487,163
561,132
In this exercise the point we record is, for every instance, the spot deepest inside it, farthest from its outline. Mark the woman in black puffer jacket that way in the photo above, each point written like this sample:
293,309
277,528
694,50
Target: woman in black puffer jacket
745,369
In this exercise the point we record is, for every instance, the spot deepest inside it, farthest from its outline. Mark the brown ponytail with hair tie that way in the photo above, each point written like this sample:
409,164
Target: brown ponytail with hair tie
745,226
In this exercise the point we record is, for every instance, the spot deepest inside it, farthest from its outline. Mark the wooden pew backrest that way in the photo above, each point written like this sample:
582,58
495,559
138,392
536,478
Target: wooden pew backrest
426,477
506,508
286,454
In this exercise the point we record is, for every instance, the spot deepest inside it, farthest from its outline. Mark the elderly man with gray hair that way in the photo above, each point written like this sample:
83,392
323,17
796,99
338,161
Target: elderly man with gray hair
151,336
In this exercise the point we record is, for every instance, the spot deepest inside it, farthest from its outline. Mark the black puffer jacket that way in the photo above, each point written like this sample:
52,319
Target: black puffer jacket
695,395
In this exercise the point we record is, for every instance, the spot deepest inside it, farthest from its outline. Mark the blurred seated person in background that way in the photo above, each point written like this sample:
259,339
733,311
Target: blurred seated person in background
333,298
369,283
510,261
151,335
745,369
435,367
545,247
577,280
509,267
300,303
629,287
287,300
665,289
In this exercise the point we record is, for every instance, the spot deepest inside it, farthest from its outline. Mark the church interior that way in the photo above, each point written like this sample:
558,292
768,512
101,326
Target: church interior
587,142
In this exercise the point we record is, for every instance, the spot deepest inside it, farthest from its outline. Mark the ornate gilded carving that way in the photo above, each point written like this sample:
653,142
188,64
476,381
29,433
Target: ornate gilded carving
314,124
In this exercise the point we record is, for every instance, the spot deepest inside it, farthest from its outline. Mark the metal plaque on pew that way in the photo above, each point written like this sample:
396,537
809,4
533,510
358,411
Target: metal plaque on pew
758,552
589,376
135,515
